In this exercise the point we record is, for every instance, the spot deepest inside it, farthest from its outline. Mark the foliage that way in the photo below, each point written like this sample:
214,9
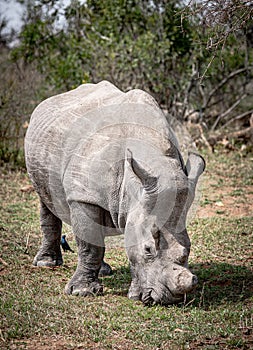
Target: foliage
19,94
179,53
157,46
195,58
134,44
224,63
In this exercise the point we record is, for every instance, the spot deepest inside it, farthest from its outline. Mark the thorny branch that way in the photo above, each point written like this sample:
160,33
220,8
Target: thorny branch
222,83
220,20
223,17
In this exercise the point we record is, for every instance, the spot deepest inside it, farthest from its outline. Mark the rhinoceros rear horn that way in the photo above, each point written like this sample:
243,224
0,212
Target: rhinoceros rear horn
148,180
195,166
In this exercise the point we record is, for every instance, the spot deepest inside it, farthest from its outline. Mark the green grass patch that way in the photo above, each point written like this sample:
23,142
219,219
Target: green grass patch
35,311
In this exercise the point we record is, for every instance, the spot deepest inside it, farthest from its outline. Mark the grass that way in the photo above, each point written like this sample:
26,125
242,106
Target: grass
35,313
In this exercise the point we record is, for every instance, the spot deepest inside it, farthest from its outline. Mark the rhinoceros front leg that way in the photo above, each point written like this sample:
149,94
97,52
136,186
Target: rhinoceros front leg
88,230
49,253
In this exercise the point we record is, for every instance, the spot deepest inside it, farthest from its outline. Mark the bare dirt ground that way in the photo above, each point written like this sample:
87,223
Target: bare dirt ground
223,202
227,186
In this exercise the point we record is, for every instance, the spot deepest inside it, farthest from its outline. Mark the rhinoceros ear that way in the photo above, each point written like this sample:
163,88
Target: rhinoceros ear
148,180
195,166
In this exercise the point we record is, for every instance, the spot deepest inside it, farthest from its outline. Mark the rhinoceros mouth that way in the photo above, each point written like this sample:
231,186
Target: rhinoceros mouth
165,297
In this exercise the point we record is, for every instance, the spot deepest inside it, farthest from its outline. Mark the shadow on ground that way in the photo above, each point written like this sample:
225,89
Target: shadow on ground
119,282
221,282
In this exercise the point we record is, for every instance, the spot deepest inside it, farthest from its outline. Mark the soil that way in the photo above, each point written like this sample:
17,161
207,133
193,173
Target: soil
224,201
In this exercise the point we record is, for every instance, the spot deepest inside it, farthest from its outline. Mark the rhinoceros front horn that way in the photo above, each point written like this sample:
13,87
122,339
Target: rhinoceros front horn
195,166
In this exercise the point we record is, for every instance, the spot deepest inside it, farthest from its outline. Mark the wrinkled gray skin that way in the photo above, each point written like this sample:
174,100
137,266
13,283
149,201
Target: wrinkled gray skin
104,161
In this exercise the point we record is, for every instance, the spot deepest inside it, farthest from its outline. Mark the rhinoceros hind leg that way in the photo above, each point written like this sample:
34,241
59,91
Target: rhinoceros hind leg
49,254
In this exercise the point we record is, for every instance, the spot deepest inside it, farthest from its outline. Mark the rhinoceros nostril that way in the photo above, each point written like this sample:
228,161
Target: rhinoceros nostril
147,298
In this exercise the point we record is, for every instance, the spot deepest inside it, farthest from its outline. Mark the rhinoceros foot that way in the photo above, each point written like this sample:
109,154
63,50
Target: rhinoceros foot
46,260
81,288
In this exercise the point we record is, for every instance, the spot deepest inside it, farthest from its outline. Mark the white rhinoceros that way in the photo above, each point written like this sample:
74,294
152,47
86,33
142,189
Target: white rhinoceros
105,161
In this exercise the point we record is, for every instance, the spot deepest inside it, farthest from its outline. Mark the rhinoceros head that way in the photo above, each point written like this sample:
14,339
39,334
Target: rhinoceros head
156,239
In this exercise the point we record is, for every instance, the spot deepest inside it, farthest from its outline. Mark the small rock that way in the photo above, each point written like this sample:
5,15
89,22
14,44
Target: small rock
219,204
27,188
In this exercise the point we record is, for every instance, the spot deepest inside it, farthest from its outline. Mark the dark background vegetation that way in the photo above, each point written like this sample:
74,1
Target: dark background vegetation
194,57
